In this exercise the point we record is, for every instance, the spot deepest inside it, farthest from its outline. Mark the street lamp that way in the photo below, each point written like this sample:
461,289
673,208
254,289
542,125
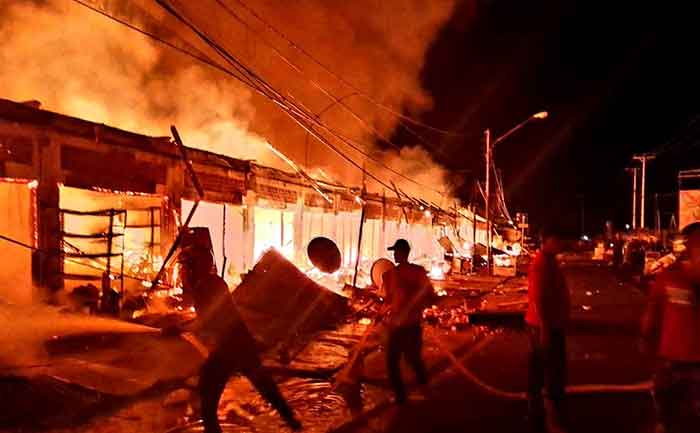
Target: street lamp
489,148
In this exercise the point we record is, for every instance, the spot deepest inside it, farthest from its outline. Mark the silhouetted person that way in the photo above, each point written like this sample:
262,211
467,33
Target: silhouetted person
547,319
408,292
671,328
235,349
618,257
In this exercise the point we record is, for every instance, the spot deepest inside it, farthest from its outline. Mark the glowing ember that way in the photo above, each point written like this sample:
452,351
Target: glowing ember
365,321
502,260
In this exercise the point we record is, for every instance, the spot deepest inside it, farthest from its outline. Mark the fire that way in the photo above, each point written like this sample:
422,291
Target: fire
437,272
144,92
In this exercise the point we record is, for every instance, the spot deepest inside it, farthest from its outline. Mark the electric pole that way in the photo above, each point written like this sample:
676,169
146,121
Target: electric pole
487,139
489,148
582,205
643,158
634,170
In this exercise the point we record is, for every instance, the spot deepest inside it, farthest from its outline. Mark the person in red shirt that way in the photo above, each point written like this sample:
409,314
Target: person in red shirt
671,326
408,292
235,349
547,319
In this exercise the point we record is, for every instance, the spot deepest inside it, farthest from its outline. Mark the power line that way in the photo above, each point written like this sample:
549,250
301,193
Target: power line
326,92
250,79
297,113
338,77
200,58
298,69
336,101
285,102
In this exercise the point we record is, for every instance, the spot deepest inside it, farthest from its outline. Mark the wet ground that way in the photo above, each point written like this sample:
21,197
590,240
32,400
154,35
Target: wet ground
478,377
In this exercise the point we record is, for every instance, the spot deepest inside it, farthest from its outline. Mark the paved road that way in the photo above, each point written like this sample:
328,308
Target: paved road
602,350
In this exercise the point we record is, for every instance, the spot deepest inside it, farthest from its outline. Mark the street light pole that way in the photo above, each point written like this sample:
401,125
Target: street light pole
644,158
487,139
487,194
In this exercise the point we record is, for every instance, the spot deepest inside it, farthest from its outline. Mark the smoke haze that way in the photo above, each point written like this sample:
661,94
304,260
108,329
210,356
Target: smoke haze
79,63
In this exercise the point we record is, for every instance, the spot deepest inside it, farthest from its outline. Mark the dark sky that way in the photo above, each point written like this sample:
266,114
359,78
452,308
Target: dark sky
616,77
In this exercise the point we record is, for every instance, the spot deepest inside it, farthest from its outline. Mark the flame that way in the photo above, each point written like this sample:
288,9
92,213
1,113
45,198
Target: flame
144,87
437,272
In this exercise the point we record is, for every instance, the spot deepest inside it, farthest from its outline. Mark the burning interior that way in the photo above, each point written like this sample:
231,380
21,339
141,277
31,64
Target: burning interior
94,224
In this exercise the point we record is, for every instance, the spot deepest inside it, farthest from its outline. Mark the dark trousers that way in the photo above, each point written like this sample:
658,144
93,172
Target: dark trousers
214,375
406,341
547,368
677,395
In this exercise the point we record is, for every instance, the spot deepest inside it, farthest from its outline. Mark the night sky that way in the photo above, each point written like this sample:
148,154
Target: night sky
616,77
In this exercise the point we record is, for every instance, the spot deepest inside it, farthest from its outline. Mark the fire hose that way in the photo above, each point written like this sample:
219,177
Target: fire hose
344,375
639,387
458,364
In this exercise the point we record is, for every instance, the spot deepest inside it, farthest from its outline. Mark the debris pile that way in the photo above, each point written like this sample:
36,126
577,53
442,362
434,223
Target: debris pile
279,303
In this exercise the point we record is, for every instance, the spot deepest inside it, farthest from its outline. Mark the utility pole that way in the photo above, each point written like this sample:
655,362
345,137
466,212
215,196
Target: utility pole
634,170
487,139
489,147
643,158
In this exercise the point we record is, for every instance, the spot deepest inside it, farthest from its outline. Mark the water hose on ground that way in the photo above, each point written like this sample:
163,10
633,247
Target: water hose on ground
640,387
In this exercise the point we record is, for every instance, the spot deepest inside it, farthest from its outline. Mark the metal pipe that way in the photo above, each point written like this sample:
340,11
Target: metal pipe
487,196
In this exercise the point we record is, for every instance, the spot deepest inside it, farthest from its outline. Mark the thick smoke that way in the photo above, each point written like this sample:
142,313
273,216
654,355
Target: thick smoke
77,62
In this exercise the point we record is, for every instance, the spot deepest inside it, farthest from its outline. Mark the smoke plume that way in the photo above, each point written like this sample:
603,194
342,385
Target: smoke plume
79,63
76,62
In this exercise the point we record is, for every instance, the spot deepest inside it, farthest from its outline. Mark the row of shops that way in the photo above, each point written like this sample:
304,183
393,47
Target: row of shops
81,201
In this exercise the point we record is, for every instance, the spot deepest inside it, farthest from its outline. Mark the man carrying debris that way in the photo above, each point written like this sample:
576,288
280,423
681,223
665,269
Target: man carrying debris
547,319
671,326
235,349
408,292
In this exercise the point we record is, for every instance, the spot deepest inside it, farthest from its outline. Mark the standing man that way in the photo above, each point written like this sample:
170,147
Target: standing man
671,326
235,349
547,319
408,292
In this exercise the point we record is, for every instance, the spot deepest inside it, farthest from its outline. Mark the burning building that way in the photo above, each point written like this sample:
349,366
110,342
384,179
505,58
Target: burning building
83,201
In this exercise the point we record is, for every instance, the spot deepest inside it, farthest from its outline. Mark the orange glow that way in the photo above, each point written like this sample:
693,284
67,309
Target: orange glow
437,272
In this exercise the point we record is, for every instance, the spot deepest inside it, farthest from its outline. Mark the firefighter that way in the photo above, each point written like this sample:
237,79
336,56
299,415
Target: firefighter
671,329
408,292
235,350
547,321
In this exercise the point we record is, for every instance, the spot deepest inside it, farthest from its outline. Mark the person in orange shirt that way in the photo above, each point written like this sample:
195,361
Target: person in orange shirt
408,292
671,326
547,319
